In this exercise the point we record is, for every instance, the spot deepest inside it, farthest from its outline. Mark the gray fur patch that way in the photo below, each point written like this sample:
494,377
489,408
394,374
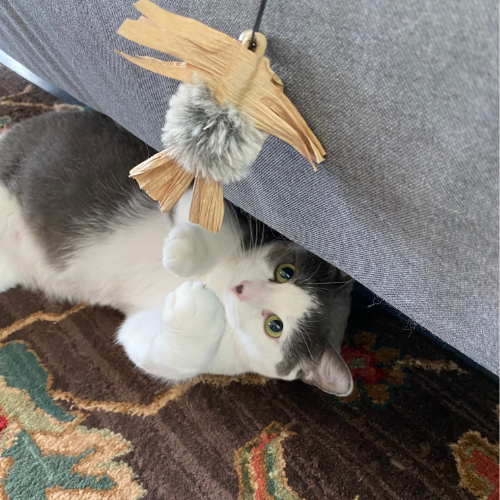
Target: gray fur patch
217,142
69,172
325,325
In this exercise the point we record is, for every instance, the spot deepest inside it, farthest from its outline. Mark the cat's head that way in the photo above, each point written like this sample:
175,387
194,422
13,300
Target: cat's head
289,309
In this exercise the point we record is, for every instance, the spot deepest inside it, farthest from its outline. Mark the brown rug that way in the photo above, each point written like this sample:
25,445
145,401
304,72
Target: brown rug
77,421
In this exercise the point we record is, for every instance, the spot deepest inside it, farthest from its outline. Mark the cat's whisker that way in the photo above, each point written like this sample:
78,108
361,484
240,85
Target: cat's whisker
236,231
305,342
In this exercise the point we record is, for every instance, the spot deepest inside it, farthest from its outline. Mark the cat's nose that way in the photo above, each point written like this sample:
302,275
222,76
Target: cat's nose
244,291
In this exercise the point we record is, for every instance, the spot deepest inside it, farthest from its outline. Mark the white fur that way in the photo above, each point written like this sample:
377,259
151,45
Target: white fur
8,275
175,327
180,340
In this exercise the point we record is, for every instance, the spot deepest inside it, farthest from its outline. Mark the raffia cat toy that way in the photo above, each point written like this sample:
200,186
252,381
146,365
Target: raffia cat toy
219,119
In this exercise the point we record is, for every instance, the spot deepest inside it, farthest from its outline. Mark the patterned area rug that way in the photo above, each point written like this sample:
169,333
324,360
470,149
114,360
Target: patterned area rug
78,422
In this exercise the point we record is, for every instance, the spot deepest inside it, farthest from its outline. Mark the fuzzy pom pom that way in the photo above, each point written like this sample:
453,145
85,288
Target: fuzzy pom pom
207,139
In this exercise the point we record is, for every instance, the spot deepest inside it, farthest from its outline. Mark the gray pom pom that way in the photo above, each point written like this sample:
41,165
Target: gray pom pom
216,142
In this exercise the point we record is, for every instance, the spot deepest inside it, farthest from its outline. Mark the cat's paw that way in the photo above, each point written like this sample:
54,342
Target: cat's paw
195,311
182,339
184,251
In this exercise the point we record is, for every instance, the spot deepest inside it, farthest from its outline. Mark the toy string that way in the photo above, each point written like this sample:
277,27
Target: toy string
256,27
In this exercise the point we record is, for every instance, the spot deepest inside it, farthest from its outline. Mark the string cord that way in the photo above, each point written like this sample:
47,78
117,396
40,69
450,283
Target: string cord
256,26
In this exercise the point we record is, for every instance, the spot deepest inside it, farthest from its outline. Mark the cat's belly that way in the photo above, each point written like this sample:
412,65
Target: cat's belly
122,269
21,257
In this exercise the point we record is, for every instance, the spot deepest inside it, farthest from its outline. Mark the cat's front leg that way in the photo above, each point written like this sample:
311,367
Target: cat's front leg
190,250
179,341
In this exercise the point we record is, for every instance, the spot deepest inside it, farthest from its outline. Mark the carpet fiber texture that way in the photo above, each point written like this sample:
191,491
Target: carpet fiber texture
78,421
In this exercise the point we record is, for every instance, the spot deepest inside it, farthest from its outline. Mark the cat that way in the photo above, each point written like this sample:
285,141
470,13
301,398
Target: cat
75,226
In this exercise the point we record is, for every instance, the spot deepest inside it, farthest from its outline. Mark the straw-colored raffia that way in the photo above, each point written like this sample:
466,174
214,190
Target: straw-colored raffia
234,74
162,179
207,205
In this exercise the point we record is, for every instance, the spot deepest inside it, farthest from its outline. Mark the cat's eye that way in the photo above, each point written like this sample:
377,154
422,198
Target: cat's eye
274,326
284,272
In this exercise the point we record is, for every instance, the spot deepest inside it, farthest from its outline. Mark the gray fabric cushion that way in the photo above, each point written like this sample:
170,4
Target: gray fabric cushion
404,97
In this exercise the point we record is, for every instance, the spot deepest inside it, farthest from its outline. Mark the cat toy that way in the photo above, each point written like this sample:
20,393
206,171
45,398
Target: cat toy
218,120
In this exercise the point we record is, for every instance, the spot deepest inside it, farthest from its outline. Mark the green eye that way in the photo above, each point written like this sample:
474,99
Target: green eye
274,327
284,272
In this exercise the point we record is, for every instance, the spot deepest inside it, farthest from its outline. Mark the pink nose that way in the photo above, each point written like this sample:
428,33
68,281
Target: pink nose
244,291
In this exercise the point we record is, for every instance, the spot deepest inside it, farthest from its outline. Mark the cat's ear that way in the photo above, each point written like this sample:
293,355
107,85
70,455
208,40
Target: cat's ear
330,373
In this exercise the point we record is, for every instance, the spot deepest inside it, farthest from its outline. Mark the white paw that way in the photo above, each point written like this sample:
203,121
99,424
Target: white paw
183,340
184,251
195,311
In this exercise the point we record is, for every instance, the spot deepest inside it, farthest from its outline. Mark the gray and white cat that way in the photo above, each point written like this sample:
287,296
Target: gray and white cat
73,225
